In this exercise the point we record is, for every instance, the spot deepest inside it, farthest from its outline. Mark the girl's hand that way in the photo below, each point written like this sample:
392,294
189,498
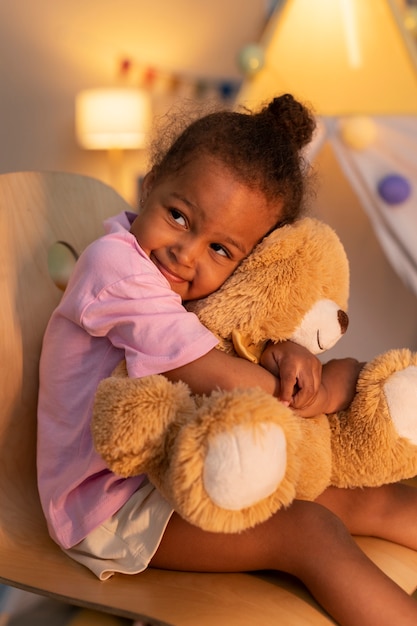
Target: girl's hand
339,380
298,371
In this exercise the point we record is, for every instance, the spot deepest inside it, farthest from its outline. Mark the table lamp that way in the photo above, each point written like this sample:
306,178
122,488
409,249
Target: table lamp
114,119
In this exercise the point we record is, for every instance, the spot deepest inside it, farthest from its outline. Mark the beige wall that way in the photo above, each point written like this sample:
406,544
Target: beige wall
49,50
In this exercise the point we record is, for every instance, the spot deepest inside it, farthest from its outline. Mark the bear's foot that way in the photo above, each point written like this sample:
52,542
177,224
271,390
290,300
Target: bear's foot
374,442
401,395
245,465
236,463
388,386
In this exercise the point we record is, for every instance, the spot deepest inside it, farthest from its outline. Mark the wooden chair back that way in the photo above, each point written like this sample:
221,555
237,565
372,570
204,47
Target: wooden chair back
37,210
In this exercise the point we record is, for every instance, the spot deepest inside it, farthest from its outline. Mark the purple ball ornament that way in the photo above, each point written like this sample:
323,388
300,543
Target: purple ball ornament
394,189
251,59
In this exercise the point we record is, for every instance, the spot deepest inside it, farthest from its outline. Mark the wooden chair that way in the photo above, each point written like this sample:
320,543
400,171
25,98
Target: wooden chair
36,211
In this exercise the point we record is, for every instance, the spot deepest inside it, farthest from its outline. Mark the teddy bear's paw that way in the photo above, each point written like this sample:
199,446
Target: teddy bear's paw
245,465
134,417
401,395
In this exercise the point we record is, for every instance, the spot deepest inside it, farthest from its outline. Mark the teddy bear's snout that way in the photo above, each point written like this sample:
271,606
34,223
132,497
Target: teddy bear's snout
343,318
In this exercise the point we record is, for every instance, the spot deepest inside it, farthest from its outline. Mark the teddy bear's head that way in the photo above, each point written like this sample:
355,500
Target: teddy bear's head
294,285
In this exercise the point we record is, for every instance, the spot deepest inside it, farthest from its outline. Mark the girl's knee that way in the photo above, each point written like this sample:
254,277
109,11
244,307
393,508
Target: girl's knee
310,533
316,518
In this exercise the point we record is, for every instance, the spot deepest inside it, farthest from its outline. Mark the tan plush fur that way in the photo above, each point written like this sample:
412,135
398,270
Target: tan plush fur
229,461
367,448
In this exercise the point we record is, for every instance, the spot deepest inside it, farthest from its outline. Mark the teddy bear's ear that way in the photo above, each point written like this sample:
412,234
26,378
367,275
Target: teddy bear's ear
245,348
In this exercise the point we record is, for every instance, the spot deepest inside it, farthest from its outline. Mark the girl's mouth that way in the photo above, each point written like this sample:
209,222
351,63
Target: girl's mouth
169,275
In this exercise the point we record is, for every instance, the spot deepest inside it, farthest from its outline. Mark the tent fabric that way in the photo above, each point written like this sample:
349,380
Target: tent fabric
393,151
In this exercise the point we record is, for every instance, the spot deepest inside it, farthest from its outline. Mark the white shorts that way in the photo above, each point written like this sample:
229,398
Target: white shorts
127,541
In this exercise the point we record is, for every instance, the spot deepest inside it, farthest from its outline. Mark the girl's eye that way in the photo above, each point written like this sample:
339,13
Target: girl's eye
219,249
178,217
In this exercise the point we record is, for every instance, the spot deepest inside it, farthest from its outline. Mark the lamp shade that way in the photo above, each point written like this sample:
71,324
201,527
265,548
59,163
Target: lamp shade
344,57
112,118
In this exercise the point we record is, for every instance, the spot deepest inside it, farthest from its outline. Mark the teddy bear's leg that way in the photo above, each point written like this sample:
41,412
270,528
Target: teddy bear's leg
375,440
236,462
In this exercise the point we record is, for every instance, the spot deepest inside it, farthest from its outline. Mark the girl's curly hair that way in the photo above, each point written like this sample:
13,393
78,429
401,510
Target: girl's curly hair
263,149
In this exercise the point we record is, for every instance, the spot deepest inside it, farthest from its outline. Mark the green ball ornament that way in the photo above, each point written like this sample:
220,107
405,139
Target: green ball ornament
251,59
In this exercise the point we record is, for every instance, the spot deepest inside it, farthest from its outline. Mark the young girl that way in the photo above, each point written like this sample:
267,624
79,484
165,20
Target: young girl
224,183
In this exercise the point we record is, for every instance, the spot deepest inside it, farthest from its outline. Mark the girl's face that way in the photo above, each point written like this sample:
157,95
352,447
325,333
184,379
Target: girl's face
198,225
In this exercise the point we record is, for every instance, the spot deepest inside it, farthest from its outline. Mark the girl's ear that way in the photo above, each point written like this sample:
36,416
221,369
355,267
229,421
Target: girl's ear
147,185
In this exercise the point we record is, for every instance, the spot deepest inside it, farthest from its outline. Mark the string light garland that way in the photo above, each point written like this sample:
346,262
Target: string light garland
249,61
157,80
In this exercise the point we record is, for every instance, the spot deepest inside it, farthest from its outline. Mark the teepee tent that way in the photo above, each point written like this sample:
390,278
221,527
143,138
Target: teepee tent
356,64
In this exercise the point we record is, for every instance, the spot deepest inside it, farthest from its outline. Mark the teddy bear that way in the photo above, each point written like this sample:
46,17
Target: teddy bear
228,461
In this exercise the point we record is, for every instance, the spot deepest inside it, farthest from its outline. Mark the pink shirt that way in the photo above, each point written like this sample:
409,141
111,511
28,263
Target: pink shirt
117,305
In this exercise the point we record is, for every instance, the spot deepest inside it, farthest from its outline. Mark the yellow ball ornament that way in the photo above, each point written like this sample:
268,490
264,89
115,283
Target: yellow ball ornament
358,132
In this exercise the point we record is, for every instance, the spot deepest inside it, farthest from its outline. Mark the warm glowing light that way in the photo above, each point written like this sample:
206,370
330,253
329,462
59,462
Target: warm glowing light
346,57
109,119
351,32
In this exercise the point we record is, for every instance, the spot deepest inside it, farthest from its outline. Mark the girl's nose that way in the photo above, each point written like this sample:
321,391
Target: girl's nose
187,250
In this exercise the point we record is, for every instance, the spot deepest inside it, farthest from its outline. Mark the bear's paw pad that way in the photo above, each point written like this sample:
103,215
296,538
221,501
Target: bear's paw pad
401,396
245,465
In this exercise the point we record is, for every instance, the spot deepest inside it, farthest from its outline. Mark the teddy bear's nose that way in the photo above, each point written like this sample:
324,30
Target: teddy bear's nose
343,318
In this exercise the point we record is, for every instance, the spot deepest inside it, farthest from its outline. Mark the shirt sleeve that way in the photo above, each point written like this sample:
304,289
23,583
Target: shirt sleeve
147,320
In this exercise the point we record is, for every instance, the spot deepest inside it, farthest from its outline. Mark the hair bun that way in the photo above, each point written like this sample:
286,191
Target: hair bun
292,118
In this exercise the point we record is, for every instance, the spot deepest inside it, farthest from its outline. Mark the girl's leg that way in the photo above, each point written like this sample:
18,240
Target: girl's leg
388,512
308,541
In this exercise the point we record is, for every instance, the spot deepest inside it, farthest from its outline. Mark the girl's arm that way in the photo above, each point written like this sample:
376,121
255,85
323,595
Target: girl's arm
218,370
288,372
